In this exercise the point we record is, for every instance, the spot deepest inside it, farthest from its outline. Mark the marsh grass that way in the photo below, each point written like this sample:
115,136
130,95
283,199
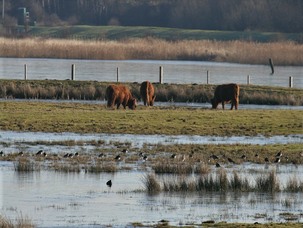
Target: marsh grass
20,222
152,185
102,167
283,53
173,168
66,167
294,185
84,90
222,182
268,183
26,165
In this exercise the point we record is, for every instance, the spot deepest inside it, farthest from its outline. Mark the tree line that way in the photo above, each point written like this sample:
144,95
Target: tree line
236,15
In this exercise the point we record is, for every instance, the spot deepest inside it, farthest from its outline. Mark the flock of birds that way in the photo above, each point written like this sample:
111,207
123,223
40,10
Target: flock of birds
144,157
277,159
212,158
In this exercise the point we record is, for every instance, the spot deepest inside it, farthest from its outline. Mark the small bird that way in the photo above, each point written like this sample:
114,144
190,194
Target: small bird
125,151
266,160
1,153
244,157
230,160
213,156
70,155
118,158
77,154
66,155
39,152
21,153
145,157
44,154
173,156
101,155
109,183
218,165
278,160
256,155
279,154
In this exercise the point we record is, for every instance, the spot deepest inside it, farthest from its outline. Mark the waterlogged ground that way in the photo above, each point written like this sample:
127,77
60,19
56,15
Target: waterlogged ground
51,198
83,199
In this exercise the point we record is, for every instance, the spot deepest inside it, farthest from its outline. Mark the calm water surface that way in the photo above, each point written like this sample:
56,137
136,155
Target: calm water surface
140,70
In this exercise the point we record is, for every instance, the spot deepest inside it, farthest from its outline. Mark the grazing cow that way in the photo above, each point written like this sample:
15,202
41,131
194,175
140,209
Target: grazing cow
120,94
224,94
147,92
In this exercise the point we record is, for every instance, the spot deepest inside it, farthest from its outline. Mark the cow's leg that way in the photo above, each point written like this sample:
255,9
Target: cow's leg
232,104
237,103
223,105
111,103
124,104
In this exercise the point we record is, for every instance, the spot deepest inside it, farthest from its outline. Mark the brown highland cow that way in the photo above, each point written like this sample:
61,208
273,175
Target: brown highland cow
147,92
120,94
226,93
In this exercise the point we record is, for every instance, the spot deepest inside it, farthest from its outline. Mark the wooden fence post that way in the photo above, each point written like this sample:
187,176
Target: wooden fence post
161,75
248,80
73,72
207,77
291,81
117,74
271,63
25,72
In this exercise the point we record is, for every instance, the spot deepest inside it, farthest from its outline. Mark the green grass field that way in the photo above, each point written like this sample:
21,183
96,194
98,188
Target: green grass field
82,118
122,32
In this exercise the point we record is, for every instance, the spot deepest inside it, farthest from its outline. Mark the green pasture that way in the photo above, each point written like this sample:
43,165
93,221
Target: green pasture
123,32
94,118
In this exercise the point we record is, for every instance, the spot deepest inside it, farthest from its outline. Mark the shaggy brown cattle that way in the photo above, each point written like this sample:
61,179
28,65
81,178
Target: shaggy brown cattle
120,94
226,93
147,92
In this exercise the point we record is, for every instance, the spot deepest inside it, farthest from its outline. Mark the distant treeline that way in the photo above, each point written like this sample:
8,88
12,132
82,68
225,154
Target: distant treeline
236,15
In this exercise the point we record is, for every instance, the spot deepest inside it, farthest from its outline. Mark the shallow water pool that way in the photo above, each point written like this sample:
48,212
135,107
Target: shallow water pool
53,199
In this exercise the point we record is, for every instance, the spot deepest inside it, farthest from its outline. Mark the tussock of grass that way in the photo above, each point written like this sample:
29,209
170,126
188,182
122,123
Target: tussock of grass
26,165
66,167
102,168
175,168
268,183
220,182
21,222
151,184
294,185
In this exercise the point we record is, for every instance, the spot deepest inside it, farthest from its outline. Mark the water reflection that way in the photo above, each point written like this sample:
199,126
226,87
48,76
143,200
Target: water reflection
24,138
82,199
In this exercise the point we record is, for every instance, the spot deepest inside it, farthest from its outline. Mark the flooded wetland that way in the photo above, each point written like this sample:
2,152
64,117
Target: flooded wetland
193,167
66,186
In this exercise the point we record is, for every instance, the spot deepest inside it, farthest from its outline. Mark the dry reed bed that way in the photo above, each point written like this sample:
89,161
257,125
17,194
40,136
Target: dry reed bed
283,53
